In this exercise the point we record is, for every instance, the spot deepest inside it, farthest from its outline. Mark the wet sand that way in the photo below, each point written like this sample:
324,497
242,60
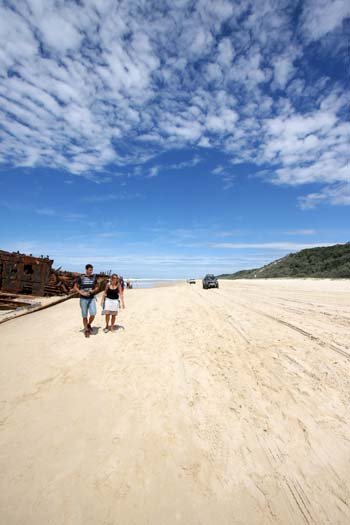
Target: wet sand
226,406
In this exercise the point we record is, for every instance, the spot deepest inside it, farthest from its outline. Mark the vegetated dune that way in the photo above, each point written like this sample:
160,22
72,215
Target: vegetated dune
226,406
326,262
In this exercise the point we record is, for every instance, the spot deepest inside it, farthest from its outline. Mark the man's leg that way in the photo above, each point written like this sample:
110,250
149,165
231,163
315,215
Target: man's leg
92,312
91,318
84,312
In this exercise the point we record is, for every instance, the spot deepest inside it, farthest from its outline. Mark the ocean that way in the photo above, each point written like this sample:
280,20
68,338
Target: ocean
151,283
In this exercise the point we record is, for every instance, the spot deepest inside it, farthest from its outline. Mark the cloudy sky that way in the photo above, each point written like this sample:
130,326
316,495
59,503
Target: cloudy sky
173,138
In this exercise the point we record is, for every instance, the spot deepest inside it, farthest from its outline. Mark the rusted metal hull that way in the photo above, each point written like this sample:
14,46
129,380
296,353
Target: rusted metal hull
24,274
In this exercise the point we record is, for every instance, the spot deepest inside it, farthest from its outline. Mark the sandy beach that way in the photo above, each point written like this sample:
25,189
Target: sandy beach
226,406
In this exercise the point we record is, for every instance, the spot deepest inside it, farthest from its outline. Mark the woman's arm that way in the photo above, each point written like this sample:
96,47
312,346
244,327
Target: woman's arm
104,295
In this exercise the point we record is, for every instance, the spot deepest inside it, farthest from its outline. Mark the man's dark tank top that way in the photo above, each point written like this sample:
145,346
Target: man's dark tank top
112,294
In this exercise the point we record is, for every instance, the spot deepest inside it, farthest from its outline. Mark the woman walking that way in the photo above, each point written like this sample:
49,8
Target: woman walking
110,302
122,287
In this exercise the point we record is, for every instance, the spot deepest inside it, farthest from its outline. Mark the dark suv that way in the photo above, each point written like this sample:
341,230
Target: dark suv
210,281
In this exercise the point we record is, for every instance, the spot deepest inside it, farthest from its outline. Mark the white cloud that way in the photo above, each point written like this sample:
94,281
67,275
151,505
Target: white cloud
222,122
338,195
153,172
230,233
219,170
226,177
86,88
301,232
201,42
122,195
17,39
186,164
283,71
309,148
49,212
225,53
107,235
136,263
292,246
58,33
322,16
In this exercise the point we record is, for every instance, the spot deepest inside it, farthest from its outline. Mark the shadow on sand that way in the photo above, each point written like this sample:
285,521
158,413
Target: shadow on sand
97,329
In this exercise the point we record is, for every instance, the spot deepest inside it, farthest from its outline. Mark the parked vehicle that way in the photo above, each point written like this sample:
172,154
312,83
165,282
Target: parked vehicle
210,281
191,281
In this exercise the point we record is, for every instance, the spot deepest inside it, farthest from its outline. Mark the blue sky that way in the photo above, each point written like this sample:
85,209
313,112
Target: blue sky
174,138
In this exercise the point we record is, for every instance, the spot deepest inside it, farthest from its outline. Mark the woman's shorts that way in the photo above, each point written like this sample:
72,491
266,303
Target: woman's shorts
110,307
88,305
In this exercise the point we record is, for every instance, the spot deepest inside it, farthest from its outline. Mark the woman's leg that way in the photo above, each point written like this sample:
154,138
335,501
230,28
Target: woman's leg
107,320
113,321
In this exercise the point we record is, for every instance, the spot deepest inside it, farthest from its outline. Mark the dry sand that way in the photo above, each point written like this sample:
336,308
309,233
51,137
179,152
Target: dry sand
212,407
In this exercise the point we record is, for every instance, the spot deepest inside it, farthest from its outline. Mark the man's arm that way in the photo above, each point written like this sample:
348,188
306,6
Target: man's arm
95,288
77,289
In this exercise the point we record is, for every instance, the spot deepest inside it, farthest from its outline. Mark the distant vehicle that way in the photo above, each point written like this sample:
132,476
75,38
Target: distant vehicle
210,281
191,281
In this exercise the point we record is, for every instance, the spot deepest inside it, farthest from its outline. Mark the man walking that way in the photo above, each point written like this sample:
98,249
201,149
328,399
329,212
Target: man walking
86,286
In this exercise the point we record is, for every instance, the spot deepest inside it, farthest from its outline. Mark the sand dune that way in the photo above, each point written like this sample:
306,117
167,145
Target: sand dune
226,406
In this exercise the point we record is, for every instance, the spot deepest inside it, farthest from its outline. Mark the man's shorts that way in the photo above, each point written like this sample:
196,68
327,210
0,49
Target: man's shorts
88,305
